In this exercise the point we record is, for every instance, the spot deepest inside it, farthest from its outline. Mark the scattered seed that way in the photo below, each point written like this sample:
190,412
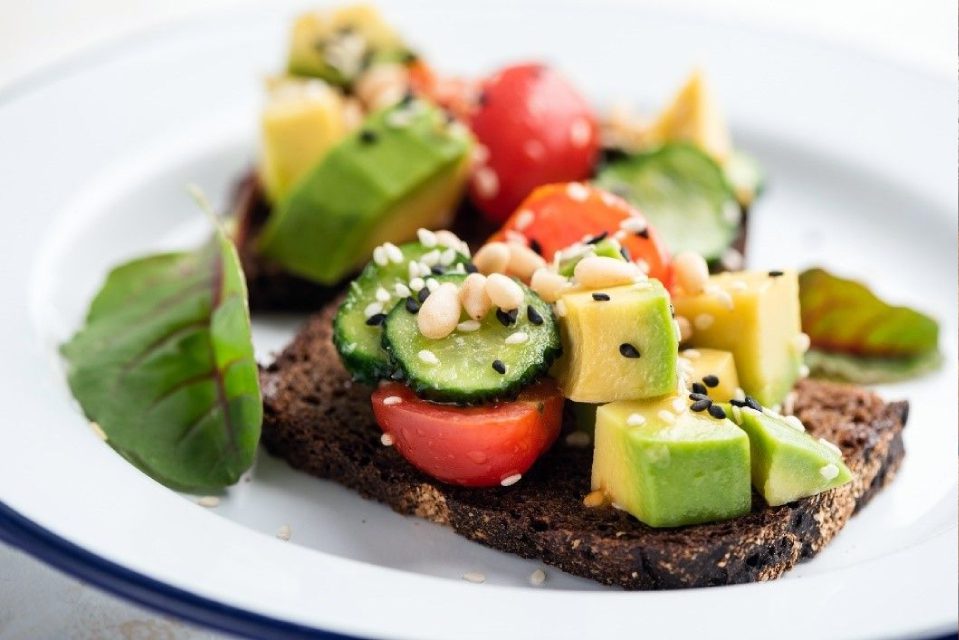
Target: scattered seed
666,416
775,274
696,396
372,309
367,136
523,219
487,183
511,480
752,404
391,400
580,132
701,405
475,577
504,318
832,447
432,284
401,290
517,338
533,315
711,381
284,532
379,256
598,238
685,328
601,297
426,237
394,253
386,440
829,472
635,420
537,578
716,411
468,326
376,319
703,321
801,342
412,305
428,357
577,191
803,371
628,351
699,387
469,267
536,246
499,367
422,295
210,502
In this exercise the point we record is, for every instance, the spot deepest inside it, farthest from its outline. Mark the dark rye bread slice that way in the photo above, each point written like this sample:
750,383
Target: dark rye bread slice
321,423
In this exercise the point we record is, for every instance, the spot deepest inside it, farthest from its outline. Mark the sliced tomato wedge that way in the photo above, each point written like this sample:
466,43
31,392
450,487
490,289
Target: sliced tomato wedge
470,446
555,216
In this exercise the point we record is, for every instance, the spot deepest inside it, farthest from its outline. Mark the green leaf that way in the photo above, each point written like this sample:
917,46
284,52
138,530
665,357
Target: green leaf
164,364
844,316
859,370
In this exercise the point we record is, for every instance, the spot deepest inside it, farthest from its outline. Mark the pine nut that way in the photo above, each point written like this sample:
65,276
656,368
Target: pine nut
691,271
601,271
523,261
548,284
492,258
504,292
440,313
474,297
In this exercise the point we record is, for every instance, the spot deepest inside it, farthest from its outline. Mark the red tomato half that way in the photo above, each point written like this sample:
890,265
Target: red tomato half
470,446
557,215
534,128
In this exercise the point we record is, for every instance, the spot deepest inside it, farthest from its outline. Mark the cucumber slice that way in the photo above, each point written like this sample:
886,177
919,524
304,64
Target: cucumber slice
463,370
683,193
358,342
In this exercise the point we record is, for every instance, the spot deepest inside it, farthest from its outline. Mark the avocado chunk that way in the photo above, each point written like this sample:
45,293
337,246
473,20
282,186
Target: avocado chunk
715,370
788,463
404,169
755,316
337,45
671,470
620,347
302,120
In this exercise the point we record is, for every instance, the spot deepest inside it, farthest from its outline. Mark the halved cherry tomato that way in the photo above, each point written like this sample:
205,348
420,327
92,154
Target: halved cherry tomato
557,215
470,446
533,128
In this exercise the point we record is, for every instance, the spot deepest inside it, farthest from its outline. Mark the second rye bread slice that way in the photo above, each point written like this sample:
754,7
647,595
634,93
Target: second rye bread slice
320,422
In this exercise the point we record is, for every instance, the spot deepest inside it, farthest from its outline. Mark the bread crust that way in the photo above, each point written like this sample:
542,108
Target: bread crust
320,422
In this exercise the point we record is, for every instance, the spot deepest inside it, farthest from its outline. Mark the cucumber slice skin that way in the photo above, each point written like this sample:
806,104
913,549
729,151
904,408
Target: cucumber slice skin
684,194
465,373
359,344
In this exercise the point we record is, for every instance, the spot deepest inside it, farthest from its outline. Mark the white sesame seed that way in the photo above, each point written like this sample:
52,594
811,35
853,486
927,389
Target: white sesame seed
210,502
829,472
577,191
803,371
732,260
284,532
98,430
578,440
432,284
794,422
534,149
475,577
447,257
635,420
401,290
523,219
703,321
634,224
380,257
460,268
413,269
832,447
580,133
560,308
386,440
480,154
692,353
382,295
738,285
679,405
430,258
417,283
394,253
468,326
666,416
428,357
537,578
801,343
372,309
518,337
486,182
426,237
446,238
509,481
391,400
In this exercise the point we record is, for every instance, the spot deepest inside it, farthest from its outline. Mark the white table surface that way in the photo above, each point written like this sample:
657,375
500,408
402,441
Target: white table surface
37,602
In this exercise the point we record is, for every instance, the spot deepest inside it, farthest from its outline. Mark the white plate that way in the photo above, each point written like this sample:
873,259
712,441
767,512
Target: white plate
94,158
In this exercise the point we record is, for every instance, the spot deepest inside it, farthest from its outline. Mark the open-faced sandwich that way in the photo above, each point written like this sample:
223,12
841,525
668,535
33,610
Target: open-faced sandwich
532,324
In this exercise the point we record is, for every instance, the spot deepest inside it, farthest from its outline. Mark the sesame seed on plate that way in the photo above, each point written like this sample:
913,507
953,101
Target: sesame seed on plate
739,394
210,502
518,337
432,284
803,371
284,532
829,471
386,440
480,154
391,400
487,183
413,270
422,295
428,357
635,420
447,257
721,295
537,578
475,577
430,258
509,481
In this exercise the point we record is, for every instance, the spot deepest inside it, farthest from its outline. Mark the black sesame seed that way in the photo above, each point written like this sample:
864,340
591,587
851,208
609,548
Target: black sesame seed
623,251
408,97
376,319
601,297
701,405
422,295
397,375
437,270
643,233
505,318
737,403
536,246
598,238
482,99
700,388
711,381
499,367
716,411
628,351
775,274
696,397
368,137
752,404
412,305
533,315
470,267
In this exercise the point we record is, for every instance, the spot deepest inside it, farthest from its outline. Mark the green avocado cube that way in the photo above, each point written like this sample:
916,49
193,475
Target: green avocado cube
755,316
620,347
788,463
670,469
